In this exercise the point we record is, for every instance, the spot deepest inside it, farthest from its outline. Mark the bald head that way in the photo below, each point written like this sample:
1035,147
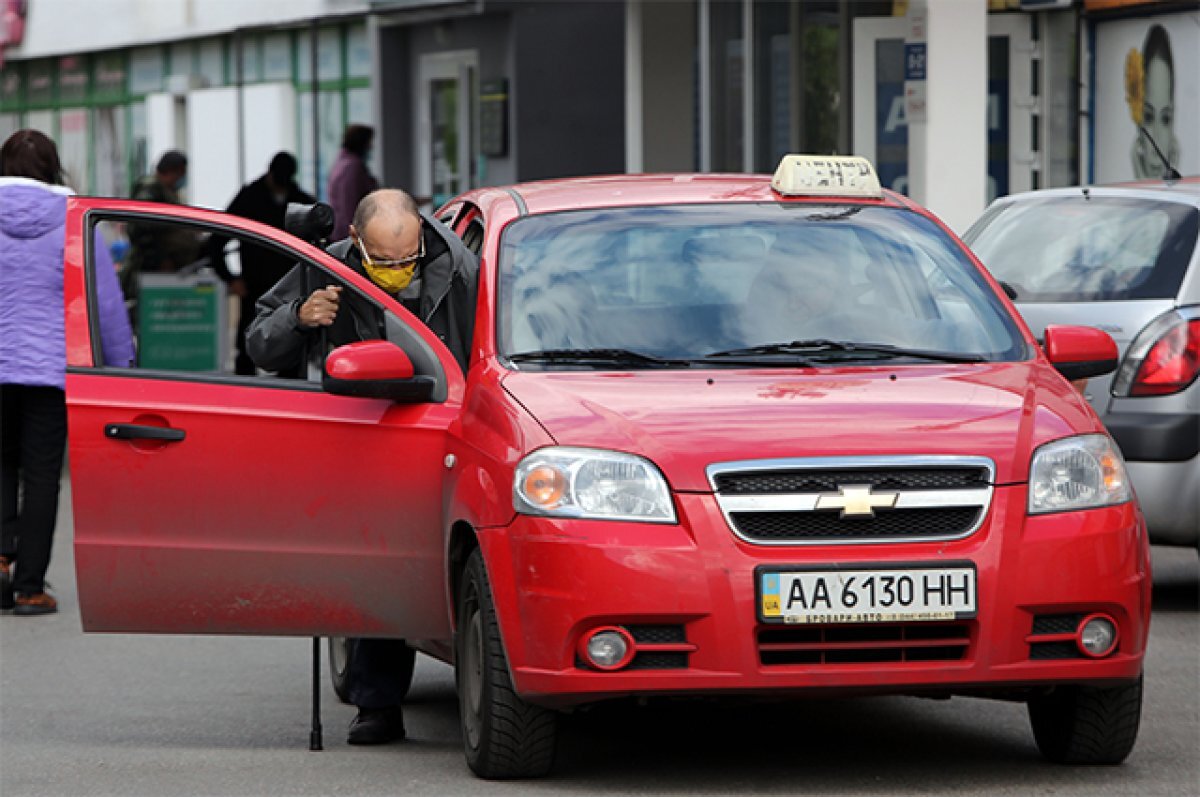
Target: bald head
391,203
388,224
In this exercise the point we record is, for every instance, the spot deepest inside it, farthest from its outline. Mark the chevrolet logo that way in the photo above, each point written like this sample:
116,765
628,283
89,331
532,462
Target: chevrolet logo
857,500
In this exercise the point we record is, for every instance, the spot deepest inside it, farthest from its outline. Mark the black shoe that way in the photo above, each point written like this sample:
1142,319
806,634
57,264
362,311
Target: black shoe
377,726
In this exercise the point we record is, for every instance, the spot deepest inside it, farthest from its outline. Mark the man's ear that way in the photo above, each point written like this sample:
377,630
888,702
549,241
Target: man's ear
353,232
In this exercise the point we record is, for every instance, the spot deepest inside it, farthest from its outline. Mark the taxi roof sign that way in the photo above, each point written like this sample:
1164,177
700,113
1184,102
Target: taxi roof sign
826,175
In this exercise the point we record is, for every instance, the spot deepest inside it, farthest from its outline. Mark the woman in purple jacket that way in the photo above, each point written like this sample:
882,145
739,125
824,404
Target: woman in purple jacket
33,360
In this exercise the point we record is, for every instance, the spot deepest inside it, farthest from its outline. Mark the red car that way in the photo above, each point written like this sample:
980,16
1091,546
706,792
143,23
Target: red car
720,435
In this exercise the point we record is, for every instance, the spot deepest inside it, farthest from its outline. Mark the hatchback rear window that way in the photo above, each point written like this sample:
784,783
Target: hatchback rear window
1076,249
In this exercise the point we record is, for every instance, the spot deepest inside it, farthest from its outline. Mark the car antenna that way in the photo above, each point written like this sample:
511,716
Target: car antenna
1170,173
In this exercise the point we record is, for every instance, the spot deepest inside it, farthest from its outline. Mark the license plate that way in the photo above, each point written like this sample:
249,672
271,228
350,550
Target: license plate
910,594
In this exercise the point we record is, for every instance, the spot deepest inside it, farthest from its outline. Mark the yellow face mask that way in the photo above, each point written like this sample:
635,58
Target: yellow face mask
392,280
392,276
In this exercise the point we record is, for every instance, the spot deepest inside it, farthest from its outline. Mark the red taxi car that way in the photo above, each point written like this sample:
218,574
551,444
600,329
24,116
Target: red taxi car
720,435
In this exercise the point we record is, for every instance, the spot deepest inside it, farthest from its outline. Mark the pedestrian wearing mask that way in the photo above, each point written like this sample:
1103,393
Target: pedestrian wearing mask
427,269
33,360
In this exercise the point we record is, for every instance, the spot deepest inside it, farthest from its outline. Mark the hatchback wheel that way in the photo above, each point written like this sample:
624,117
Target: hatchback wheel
1087,725
504,736
341,653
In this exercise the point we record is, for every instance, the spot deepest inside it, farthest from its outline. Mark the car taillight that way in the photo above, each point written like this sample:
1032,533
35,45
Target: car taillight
1164,358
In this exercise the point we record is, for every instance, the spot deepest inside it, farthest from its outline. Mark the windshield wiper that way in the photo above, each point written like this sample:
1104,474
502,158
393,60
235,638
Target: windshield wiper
845,349
591,356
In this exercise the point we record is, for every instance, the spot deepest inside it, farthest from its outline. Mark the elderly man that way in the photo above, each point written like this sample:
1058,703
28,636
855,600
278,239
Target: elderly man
426,268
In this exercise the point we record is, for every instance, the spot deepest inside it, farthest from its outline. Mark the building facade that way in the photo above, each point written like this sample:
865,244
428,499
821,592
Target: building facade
956,101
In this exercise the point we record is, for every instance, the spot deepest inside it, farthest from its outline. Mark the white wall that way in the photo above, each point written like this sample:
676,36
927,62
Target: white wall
54,27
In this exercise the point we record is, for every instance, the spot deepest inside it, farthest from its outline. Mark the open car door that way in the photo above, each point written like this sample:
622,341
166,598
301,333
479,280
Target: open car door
207,502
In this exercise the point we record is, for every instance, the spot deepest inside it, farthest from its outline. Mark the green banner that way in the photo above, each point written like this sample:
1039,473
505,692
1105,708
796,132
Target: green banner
180,321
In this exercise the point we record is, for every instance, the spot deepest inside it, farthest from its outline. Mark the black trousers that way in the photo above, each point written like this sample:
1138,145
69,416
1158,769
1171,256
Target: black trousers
34,440
374,668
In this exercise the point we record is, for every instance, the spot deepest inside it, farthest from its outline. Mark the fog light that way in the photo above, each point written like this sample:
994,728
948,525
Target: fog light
608,648
1097,636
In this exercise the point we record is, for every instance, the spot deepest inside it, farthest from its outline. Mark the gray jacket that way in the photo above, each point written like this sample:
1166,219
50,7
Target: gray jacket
449,275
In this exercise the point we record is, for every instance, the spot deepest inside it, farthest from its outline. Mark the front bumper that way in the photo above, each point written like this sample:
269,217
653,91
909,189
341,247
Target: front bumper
555,580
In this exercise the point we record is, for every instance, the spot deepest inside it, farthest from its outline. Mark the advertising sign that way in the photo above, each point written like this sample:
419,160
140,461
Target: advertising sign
1146,72
181,322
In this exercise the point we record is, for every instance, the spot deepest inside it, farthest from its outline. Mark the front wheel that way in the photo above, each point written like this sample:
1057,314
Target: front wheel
1086,724
504,736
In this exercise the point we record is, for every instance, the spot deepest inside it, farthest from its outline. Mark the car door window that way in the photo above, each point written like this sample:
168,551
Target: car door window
190,291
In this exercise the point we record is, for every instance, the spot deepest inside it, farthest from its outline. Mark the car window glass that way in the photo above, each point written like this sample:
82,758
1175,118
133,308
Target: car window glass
472,236
178,280
683,281
1072,249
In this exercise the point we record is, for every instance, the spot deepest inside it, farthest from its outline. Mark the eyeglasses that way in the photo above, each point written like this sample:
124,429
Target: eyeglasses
404,261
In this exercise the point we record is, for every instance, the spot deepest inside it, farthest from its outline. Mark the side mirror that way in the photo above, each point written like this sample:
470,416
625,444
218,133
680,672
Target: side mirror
1080,352
375,369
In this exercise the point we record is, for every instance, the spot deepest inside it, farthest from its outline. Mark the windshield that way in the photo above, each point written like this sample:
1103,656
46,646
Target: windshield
690,282
1076,249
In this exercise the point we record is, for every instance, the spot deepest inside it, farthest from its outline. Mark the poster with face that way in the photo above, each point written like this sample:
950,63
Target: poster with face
1147,96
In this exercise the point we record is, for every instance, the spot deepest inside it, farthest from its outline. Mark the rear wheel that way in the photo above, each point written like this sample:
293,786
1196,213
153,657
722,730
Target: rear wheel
1087,725
341,654
504,736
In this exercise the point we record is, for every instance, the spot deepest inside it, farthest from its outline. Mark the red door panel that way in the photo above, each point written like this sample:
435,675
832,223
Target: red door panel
217,505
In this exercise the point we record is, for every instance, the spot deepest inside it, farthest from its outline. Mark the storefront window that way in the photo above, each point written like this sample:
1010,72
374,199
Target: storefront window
277,57
774,81
727,49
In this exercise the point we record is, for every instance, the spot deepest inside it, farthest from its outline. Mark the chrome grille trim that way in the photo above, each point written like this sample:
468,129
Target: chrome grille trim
977,497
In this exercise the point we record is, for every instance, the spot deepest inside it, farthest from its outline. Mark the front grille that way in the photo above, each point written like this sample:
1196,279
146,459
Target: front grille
859,644
827,525
657,634
1056,624
819,481
842,500
656,660
1058,631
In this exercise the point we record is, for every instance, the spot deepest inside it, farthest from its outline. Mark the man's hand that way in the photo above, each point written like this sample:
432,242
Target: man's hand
237,286
321,308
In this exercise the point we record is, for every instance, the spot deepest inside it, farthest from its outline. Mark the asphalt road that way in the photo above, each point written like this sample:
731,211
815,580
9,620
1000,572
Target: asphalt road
129,715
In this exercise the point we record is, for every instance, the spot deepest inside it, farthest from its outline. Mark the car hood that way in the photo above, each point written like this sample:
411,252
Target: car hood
686,420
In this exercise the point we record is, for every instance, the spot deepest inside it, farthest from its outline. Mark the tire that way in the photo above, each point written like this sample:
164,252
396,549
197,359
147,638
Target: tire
1087,725
341,652
503,736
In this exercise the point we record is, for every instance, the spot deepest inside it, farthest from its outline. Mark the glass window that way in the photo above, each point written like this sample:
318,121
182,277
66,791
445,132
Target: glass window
109,137
358,52
146,70
39,90
330,138
72,79
183,58
329,54
184,321
277,57
774,106
683,282
727,51
212,62
73,147
110,76
10,86
251,60
1075,249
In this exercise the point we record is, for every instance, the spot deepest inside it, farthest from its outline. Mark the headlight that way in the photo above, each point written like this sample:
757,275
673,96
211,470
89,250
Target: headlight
1082,472
591,483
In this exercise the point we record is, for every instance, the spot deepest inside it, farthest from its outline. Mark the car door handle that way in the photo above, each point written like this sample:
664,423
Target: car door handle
132,431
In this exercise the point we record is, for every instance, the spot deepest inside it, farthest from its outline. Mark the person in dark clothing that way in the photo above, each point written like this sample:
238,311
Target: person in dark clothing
428,269
266,200
157,247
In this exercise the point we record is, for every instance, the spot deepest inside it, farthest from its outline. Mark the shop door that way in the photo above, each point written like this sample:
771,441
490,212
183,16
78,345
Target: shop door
880,127
446,116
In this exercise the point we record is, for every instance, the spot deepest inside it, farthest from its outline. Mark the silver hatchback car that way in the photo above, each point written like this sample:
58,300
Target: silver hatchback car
1125,259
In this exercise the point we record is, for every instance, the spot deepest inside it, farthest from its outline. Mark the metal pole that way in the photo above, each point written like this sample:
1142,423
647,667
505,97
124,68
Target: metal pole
314,736
314,31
